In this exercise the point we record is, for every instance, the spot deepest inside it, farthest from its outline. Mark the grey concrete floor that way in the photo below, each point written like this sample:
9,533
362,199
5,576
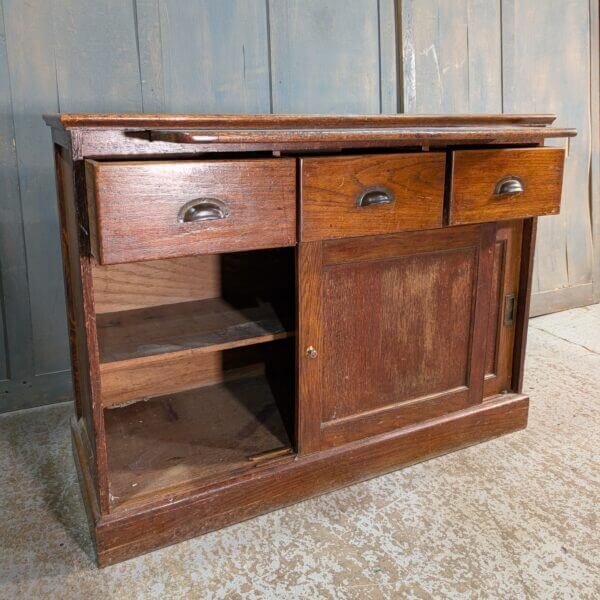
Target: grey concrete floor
516,517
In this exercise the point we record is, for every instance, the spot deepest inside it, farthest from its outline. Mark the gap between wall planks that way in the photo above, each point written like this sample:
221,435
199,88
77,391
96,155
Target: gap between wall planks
280,56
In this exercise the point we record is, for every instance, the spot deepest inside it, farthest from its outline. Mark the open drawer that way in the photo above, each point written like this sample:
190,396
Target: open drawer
147,210
510,183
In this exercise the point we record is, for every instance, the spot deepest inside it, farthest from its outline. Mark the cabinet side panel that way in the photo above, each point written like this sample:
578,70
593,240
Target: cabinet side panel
522,318
81,316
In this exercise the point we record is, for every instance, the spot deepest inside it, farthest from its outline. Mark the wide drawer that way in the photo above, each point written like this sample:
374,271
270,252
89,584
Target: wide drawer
497,185
149,210
366,195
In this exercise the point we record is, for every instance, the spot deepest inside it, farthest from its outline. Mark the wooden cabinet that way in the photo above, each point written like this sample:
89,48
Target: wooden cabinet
265,308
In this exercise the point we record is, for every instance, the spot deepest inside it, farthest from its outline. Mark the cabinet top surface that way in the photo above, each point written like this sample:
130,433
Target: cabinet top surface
303,122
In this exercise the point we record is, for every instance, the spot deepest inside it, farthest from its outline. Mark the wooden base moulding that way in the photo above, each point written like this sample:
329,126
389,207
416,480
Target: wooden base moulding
177,517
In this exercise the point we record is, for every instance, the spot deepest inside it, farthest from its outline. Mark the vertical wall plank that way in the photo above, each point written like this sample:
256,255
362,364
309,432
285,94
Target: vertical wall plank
436,68
30,48
549,71
485,56
388,57
80,56
451,56
15,323
215,56
149,38
97,66
595,141
325,56
9,191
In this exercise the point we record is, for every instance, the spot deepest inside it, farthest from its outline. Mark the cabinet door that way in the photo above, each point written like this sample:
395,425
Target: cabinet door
392,330
504,299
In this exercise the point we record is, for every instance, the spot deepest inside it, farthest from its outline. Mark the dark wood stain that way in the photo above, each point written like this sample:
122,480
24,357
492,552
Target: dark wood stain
476,173
135,207
331,187
221,373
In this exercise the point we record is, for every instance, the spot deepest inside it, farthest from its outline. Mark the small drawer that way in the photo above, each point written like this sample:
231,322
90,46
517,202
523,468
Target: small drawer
149,210
353,196
498,185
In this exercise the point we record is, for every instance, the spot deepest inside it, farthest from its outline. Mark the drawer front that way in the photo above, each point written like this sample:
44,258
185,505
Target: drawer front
367,195
497,185
151,210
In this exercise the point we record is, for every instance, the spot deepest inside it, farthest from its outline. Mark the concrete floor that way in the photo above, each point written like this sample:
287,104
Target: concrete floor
513,518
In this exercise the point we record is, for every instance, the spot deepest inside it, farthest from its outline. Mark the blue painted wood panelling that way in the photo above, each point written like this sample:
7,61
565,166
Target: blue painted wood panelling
325,56
546,53
451,56
256,56
32,71
213,55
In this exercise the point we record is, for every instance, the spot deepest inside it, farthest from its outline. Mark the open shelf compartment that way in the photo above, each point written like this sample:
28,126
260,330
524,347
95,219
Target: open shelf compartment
195,437
234,300
203,325
197,386
163,324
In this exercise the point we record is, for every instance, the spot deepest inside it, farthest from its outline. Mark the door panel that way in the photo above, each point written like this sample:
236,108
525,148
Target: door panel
391,331
504,297
398,323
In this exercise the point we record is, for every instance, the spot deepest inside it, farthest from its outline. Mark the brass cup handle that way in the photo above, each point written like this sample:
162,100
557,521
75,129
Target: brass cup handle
374,196
203,209
509,186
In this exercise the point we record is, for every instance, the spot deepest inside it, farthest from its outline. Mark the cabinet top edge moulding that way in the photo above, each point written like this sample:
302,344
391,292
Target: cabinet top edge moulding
106,135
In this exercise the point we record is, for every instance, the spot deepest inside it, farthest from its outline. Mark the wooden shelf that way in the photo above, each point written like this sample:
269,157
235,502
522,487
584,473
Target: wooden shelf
204,325
199,435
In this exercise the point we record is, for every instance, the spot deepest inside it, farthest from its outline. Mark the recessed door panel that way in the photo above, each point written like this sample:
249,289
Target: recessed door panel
397,324
388,348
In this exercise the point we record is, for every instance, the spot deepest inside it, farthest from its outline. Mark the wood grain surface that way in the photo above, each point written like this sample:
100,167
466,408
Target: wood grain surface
399,323
205,325
194,511
178,438
476,173
124,382
332,185
505,281
129,286
290,121
135,207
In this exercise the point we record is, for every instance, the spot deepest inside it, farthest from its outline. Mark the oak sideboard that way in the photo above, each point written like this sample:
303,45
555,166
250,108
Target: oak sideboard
265,308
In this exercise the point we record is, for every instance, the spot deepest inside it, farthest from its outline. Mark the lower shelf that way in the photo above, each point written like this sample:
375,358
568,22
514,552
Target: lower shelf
201,434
